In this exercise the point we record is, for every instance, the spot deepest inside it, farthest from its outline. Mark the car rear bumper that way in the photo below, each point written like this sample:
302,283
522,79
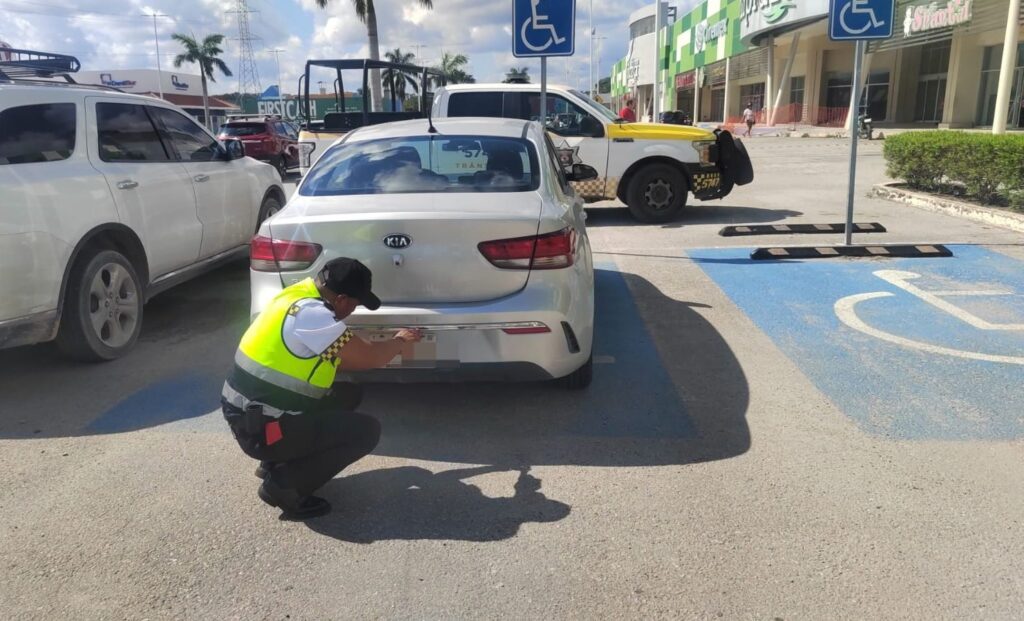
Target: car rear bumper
471,342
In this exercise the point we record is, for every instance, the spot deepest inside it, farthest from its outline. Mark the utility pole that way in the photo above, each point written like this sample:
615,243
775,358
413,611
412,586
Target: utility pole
248,74
159,70
280,89
590,61
418,46
599,39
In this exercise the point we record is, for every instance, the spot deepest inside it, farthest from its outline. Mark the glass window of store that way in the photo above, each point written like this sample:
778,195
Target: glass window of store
991,60
796,90
641,27
931,82
753,95
874,100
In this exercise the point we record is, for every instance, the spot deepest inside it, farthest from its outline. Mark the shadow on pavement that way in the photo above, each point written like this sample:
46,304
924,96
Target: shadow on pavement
413,503
700,213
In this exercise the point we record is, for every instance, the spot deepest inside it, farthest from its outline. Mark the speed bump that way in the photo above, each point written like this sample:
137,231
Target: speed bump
798,229
896,251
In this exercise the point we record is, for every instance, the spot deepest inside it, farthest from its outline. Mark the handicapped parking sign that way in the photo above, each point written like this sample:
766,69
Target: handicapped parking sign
852,20
543,28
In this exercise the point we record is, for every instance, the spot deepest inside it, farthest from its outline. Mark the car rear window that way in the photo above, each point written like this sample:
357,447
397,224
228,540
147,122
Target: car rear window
37,133
425,164
243,129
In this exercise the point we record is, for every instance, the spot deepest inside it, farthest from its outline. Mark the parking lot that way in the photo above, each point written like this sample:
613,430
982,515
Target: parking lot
763,439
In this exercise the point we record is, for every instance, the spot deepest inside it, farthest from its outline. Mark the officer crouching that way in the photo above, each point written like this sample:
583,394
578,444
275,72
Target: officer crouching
280,399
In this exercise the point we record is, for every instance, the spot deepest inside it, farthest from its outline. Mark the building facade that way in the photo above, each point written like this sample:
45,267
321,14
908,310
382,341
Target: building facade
941,69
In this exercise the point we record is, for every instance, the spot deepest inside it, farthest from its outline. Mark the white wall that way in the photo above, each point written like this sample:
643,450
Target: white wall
144,80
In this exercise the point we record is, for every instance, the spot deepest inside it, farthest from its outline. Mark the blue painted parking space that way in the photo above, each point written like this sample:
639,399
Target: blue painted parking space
907,348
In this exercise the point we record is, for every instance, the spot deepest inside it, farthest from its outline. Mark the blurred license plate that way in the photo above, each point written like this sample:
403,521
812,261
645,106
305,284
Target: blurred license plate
419,355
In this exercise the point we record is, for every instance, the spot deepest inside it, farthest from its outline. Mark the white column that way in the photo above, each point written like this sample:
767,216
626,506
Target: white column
657,60
696,94
1006,68
725,100
865,70
784,82
769,80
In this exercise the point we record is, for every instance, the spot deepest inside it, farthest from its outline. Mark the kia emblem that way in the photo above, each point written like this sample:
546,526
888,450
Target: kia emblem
397,240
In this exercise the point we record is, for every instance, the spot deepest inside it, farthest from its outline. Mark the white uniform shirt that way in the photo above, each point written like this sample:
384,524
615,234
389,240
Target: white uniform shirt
312,329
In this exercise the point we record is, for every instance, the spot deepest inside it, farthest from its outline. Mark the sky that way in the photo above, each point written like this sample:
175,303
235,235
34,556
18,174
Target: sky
118,34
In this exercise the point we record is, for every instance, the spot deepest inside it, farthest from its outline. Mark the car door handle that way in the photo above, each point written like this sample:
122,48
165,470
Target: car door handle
201,178
127,184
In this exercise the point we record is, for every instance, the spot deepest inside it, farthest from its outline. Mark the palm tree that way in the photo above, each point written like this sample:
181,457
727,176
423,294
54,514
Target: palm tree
205,55
397,79
368,15
519,75
452,68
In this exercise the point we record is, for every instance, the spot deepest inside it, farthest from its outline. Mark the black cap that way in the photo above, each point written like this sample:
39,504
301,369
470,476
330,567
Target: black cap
352,278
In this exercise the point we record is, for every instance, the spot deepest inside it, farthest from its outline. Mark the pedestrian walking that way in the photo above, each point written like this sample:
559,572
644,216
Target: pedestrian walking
281,401
748,118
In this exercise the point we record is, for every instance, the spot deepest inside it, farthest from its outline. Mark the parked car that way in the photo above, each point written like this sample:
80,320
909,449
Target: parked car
268,139
651,167
108,199
472,233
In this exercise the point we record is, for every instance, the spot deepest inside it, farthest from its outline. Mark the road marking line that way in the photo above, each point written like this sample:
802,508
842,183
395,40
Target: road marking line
845,311
604,359
899,279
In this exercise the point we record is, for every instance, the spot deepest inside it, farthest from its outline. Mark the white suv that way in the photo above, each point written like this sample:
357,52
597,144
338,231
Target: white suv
108,199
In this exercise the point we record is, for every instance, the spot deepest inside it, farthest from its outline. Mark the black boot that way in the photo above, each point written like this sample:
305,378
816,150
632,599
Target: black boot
294,506
264,469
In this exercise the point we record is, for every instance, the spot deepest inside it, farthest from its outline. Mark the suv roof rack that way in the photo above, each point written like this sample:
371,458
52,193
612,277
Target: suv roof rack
20,64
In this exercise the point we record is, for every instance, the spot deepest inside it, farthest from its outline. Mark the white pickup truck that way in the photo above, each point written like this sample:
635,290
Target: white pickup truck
649,166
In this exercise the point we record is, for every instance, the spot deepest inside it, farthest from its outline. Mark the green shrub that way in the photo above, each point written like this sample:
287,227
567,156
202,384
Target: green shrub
983,166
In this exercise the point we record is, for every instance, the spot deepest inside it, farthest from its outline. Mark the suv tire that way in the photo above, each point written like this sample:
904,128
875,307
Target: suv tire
269,207
581,377
657,193
102,314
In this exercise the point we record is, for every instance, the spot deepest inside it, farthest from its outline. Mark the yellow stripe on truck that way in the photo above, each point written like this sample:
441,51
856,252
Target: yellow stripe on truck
657,131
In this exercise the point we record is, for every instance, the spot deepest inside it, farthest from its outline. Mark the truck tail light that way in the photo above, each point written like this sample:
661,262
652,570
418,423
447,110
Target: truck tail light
539,252
273,255
306,153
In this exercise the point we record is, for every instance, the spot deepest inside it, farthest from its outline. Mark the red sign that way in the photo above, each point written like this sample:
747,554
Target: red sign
686,80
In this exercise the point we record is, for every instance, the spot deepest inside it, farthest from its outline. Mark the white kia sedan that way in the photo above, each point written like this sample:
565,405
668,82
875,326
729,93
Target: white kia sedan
473,235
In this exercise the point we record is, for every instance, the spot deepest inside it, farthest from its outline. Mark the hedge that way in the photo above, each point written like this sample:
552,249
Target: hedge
984,167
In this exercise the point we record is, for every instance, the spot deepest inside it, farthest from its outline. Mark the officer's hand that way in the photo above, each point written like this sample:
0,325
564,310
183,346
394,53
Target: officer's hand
409,335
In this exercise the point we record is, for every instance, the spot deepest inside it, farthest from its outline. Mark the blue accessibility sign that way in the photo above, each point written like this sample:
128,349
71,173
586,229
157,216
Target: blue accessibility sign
543,28
852,20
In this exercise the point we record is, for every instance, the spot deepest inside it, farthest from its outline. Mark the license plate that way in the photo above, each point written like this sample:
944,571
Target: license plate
420,355
706,181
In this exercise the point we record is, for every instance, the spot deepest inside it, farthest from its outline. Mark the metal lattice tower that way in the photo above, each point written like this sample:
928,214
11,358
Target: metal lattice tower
248,73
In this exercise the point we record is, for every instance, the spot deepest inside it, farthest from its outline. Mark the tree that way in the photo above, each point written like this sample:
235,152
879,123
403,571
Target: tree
205,55
452,68
368,15
396,79
519,75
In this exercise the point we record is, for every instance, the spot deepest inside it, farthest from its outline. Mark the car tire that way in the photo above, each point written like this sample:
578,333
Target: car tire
102,314
581,377
657,193
281,166
269,207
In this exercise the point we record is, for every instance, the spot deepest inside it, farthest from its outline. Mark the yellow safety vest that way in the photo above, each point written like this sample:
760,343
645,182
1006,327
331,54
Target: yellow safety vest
268,372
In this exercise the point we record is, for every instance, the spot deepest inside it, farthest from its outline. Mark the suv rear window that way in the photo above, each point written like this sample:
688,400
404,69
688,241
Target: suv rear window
127,134
421,164
475,104
243,129
37,133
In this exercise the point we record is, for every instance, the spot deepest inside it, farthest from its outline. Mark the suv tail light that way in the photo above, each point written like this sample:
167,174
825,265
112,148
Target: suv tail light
272,255
539,252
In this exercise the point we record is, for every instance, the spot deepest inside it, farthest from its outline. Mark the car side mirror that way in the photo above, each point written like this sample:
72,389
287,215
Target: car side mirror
581,172
233,149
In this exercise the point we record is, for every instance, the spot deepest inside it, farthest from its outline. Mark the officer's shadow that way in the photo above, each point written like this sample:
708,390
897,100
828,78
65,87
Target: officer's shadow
414,503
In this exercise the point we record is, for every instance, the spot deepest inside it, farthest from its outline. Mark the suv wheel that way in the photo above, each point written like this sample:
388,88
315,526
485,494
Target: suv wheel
269,207
657,193
102,313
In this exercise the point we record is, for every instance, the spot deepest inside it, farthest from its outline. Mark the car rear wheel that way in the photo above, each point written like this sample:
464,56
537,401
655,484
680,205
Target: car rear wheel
581,377
657,193
102,314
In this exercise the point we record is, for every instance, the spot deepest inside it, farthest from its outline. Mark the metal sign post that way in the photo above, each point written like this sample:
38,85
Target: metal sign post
860,21
543,28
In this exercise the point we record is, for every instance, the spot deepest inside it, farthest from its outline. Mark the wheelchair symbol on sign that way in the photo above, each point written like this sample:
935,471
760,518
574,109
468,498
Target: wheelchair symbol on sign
868,18
845,309
537,22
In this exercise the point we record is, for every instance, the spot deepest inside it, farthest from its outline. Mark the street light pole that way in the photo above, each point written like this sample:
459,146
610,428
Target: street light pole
280,90
159,70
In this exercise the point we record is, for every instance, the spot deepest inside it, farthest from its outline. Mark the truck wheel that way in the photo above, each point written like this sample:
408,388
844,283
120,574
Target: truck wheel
102,313
657,193
581,377
269,207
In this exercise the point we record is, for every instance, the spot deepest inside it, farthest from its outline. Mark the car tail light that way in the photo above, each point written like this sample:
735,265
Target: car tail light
540,252
272,255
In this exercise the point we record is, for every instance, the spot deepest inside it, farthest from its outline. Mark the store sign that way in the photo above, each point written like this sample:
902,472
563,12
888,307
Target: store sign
178,84
632,72
704,33
760,17
107,79
933,16
686,80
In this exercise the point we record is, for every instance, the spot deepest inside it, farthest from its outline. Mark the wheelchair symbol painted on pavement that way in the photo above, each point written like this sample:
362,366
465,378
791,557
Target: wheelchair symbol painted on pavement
537,23
845,309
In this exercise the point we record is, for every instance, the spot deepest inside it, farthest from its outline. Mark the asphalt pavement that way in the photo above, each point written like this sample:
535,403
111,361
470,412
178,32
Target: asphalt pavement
781,439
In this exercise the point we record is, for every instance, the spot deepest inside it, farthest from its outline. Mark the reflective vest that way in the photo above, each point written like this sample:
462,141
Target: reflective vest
268,372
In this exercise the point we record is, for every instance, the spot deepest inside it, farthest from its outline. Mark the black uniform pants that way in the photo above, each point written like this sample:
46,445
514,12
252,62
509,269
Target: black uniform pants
314,446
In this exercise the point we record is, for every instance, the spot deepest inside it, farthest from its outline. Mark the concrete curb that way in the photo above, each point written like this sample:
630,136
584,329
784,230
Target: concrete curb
950,207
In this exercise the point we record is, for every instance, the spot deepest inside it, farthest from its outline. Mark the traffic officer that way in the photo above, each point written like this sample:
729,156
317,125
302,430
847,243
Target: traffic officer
280,399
